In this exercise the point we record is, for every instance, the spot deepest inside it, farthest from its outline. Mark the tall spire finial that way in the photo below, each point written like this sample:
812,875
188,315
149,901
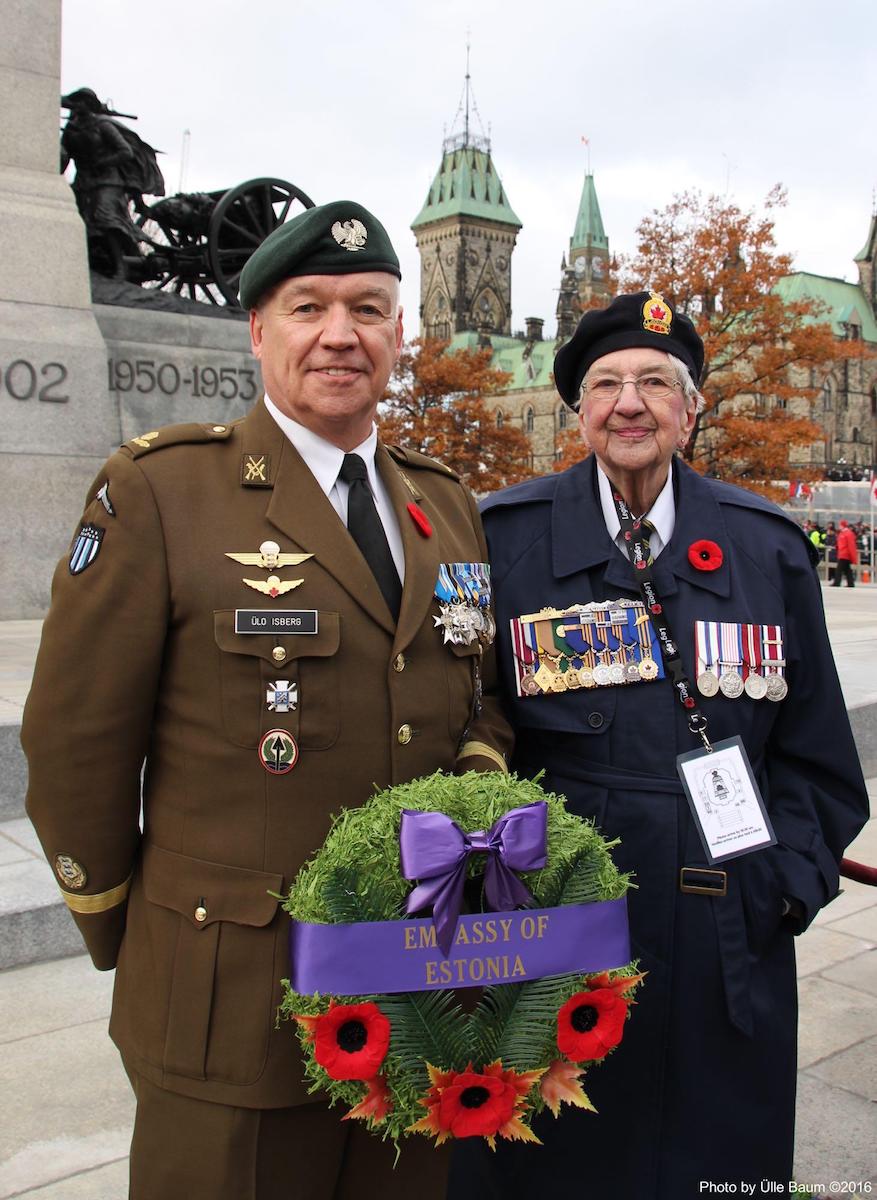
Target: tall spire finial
468,78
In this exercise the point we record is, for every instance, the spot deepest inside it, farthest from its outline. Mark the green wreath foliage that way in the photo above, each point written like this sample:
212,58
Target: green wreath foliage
356,877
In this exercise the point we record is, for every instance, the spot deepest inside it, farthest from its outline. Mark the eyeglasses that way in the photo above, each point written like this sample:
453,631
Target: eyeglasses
653,386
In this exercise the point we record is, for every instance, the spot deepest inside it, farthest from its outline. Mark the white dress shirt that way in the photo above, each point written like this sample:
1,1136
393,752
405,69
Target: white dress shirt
324,460
662,514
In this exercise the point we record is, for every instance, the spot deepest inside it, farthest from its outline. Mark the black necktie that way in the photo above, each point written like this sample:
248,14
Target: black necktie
364,526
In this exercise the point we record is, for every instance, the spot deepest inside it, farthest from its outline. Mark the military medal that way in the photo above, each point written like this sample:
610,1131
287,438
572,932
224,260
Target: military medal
282,697
773,662
730,680
278,752
755,683
706,646
528,684
586,677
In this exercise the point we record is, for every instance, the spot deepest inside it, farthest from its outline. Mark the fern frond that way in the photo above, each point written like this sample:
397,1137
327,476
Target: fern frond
426,1027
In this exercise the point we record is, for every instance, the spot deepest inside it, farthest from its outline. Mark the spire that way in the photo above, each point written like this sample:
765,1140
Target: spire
589,229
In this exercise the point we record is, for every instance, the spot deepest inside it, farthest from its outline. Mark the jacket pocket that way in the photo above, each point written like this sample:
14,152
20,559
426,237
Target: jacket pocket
247,666
223,991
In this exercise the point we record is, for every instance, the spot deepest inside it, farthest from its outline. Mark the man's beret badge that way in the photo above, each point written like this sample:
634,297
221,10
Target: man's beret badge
657,314
352,234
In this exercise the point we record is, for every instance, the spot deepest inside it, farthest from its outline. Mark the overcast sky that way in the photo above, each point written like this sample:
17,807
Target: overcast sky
352,100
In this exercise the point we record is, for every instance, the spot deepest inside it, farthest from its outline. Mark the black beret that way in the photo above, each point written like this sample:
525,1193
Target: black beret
643,319
341,238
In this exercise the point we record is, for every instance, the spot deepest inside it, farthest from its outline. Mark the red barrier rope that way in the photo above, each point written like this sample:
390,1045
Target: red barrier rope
858,871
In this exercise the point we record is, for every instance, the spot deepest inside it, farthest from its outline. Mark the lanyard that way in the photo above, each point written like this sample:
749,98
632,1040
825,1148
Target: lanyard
637,542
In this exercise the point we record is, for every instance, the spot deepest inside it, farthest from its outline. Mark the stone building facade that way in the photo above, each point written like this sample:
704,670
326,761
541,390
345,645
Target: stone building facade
466,232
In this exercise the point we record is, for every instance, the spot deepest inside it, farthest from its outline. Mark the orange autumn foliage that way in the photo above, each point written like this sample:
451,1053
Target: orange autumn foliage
439,403
720,266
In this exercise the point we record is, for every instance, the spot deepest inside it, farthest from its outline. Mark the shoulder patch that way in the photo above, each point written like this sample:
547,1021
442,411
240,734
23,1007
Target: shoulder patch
418,461
176,435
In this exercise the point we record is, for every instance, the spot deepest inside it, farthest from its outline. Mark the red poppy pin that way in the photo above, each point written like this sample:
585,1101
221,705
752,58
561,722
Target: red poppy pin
705,555
420,519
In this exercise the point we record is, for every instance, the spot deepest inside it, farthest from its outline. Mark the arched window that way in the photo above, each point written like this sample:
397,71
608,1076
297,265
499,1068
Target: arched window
828,390
500,418
562,415
529,420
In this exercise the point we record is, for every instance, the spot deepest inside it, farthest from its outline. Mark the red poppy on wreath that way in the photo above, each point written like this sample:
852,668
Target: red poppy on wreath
591,1024
477,1104
705,555
420,519
350,1040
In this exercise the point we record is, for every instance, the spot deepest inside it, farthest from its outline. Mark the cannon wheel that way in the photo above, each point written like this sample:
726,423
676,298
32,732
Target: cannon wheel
242,220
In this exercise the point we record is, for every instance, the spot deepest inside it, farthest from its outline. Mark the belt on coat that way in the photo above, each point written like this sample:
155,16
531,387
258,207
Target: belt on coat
694,880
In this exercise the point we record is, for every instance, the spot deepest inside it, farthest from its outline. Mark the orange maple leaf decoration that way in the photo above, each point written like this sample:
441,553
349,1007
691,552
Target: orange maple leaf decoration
513,1128
375,1105
560,1085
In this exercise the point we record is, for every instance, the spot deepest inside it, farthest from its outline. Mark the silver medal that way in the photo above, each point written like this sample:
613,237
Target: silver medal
777,688
616,673
708,683
756,686
602,675
731,684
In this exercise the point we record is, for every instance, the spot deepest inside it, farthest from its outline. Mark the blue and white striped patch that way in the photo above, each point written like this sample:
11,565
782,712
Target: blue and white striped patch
85,548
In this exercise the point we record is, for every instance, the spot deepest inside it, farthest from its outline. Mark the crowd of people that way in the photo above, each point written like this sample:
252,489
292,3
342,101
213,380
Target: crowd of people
844,546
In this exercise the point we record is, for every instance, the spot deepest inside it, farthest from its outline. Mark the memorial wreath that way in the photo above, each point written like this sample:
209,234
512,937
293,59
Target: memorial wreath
382,1032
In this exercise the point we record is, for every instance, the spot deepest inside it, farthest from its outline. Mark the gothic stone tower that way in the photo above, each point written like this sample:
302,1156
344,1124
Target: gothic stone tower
589,249
465,232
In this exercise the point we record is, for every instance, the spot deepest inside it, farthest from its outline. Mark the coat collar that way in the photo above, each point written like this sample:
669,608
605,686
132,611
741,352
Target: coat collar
581,541
298,508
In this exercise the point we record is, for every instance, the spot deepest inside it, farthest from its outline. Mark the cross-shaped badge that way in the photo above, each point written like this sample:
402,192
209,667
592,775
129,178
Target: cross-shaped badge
282,697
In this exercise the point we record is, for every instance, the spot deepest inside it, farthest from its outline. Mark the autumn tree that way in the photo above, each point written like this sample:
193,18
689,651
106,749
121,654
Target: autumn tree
438,402
720,266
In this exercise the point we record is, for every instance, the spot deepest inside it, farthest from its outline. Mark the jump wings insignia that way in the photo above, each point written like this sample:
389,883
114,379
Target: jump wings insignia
352,234
273,585
269,557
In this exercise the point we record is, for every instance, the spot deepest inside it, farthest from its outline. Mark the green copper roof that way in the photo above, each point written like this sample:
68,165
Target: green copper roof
466,185
863,253
841,299
508,355
589,229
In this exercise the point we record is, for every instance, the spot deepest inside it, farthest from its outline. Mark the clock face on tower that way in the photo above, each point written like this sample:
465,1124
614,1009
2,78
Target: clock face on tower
580,266
598,268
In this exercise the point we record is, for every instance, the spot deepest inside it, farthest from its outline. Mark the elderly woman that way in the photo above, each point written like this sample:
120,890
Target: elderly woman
716,631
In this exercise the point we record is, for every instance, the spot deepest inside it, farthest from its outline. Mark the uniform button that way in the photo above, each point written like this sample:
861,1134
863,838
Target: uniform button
200,914
404,735
399,662
278,654
219,429
595,720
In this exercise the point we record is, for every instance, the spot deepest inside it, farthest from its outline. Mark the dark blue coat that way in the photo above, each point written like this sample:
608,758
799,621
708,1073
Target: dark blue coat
703,1085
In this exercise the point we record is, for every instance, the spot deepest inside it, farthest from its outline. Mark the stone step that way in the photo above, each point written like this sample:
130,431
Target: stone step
35,923
13,771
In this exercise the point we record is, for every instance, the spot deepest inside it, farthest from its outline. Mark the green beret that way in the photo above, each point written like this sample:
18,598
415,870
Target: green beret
341,238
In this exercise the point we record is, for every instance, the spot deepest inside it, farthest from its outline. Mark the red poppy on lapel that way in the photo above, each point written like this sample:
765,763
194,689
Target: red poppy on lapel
705,555
420,519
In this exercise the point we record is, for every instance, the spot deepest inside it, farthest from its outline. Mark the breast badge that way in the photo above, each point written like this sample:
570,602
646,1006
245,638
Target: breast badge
278,752
606,644
270,558
86,547
282,696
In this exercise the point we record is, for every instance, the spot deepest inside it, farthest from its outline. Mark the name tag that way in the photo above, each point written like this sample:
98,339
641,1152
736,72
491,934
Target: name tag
276,620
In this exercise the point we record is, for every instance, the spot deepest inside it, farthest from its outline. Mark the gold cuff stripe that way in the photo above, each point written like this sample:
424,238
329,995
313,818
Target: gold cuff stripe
482,750
101,901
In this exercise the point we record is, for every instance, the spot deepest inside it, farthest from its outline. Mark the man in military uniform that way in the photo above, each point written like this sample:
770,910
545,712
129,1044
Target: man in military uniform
249,610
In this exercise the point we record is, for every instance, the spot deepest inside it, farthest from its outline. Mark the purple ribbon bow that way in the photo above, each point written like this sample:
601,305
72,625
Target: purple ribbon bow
434,849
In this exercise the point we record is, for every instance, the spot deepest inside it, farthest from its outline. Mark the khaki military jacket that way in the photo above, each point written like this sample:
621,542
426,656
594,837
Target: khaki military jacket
141,669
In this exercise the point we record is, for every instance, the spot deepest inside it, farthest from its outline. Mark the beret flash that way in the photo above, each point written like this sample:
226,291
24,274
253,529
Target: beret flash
341,238
642,319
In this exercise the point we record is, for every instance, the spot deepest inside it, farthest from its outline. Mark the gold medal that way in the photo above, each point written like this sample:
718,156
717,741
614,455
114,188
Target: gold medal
572,678
529,686
648,668
586,677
